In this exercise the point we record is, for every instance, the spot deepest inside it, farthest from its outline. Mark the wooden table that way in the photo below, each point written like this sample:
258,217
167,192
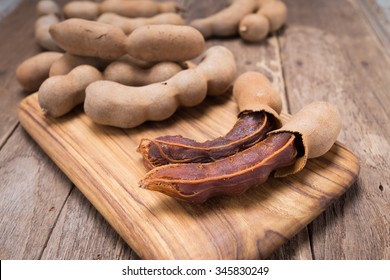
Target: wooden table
331,50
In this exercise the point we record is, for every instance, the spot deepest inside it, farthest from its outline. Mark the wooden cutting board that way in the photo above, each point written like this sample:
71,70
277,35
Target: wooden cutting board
103,163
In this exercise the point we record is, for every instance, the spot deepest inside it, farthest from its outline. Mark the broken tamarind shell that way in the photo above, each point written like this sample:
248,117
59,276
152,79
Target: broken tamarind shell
259,107
253,92
317,126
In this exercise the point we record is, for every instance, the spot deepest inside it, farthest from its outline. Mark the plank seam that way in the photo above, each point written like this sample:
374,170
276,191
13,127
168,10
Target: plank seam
8,135
55,223
283,73
309,231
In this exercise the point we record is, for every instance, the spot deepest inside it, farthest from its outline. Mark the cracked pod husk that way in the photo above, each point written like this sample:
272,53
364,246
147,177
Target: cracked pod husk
317,126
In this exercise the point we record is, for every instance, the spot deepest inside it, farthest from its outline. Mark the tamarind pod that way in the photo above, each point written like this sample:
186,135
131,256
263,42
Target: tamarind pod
59,94
269,17
254,27
111,103
226,21
42,33
68,62
32,72
131,75
165,42
275,12
137,8
197,182
123,106
128,25
89,38
82,9
47,7
249,129
219,66
316,126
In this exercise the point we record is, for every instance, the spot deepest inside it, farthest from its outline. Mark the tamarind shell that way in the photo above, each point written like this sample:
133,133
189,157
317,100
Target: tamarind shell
253,92
317,126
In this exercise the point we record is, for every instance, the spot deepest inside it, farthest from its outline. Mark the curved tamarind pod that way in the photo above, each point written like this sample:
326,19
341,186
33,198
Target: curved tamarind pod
89,38
60,94
219,66
32,72
131,106
275,12
47,7
42,34
259,107
197,182
165,42
249,129
131,75
82,9
317,126
253,92
128,25
270,16
68,62
254,27
225,22
132,9
138,8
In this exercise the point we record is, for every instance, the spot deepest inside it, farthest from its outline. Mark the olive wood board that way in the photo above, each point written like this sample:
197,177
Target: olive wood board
103,163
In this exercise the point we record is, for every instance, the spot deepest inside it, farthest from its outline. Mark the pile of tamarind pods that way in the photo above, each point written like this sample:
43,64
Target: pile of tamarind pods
129,62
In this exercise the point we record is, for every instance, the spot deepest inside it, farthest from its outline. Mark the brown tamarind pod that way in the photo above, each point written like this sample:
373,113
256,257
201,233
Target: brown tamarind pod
225,22
68,62
138,8
275,12
89,38
197,182
259,107
249,129
32,72
316,126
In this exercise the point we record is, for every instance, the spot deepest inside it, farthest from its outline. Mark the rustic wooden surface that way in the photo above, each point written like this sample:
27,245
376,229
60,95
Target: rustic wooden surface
329,50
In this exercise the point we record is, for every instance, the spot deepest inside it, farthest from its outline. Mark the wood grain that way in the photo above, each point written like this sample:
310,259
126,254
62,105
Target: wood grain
82,233
30,200
329,53
377,13
102,162
350,62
